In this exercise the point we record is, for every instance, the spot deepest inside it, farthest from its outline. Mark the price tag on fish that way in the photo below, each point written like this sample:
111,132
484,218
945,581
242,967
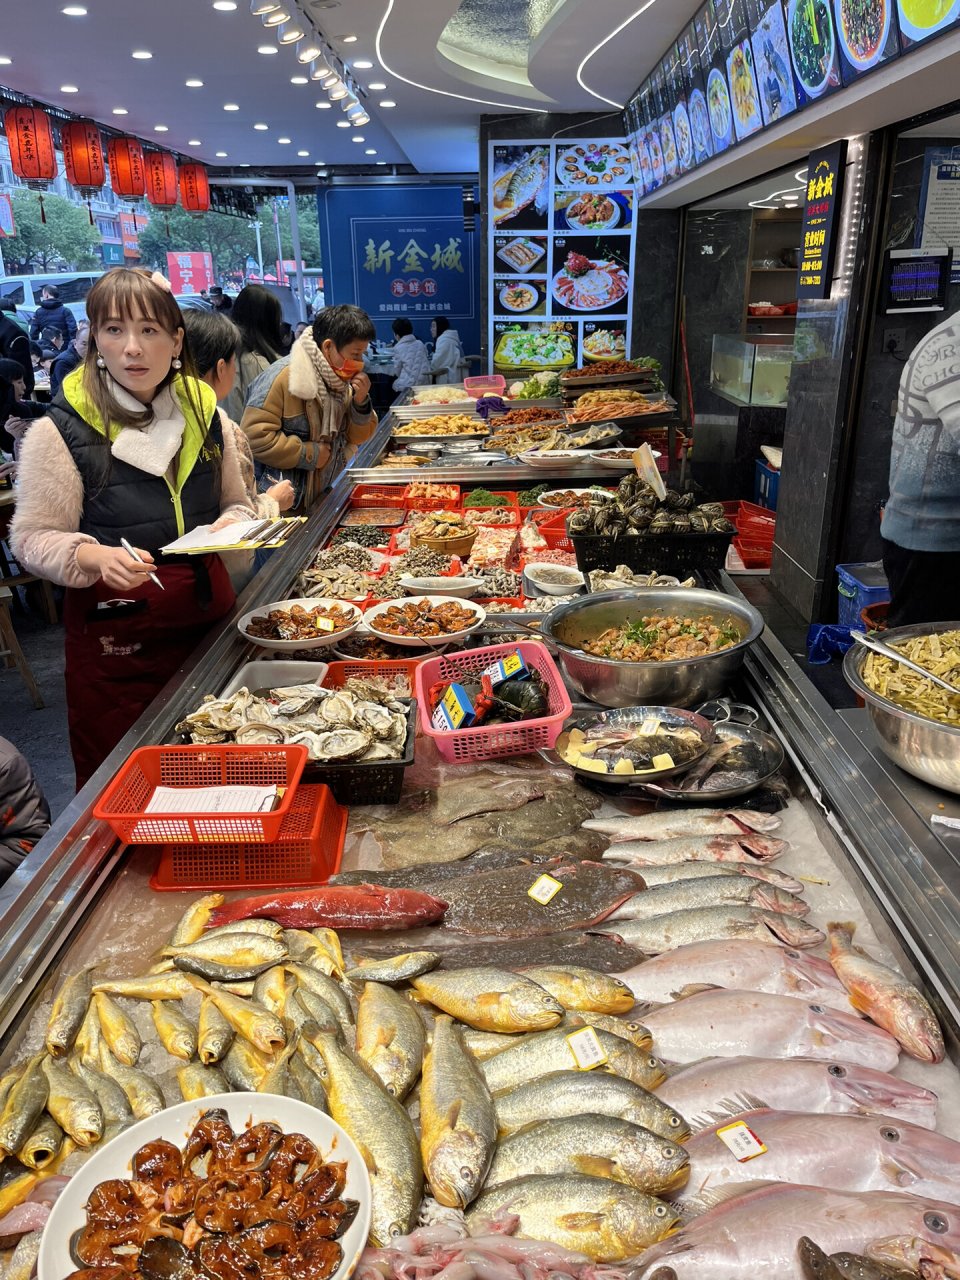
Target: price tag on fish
586,1048
544,889
742,1141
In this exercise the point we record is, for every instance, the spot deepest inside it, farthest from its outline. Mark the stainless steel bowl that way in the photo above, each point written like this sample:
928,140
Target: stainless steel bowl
685,683
927,749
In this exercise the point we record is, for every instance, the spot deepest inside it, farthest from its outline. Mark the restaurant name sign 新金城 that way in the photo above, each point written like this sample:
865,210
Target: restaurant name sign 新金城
821,216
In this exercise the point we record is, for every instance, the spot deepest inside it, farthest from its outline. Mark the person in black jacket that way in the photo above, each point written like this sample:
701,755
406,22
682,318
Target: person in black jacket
15,345
70,358
24,812
52,313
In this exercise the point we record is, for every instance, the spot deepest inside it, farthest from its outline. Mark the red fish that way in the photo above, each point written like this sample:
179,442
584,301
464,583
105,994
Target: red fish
361,906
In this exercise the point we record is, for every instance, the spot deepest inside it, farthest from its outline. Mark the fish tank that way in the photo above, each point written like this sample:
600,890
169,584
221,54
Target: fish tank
751,371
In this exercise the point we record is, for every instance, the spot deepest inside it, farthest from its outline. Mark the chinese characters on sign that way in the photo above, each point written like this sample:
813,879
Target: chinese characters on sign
821,217
408,280
190,272
409,269
938,226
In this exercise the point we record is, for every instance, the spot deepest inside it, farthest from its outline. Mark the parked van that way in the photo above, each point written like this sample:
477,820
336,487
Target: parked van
73,287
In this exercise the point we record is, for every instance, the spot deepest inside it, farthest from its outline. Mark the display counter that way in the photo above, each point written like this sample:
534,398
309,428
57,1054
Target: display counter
861,836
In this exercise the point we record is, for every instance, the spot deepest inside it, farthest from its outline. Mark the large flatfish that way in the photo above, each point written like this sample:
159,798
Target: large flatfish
435,875
603,952
499,903
519,186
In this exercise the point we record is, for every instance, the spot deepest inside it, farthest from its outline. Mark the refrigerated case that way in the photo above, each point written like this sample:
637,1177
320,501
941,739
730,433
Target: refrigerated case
861,831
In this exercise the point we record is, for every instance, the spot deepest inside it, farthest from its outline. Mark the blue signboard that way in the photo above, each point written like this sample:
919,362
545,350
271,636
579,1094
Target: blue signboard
401,251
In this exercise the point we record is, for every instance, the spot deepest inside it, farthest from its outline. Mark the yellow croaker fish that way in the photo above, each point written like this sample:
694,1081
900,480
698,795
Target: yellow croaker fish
584,990
214,1033
24,1105
177,1034
42,1145
306,1079
72,1105
390,1037
330,940
276,1078
270,989
198,1081
87,1044
69,1009
458,1122
193,921
117,1112
159,986
396,969
119,1030
625,1028
266,928
490,999
143,1093
245,1066
885,996
322,985
307,949
17,1189
534,1056
250,1020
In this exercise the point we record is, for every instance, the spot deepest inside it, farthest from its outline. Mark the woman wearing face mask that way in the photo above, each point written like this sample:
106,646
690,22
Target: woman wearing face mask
132,448
306,414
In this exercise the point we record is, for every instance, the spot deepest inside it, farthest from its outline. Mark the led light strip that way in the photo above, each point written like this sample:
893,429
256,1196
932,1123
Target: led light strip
486,102
596,49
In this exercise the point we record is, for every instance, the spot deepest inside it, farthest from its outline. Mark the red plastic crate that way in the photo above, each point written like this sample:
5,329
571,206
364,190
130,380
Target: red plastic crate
755,555
428,503
554,531
307,851
338,673
123,802
493,742
378,495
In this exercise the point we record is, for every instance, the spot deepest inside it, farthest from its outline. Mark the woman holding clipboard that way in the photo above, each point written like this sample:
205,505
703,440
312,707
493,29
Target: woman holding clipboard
132,449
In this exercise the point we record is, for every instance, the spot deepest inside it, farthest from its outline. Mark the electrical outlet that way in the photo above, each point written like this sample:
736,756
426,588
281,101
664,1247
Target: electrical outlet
894,341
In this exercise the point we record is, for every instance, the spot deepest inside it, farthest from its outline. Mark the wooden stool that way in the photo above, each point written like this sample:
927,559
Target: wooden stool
10,649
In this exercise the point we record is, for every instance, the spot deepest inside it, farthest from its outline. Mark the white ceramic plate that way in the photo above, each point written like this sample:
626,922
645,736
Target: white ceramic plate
574,583
417,642
320,641
531,289
554,459
113,1161
616,464
460,587
549,499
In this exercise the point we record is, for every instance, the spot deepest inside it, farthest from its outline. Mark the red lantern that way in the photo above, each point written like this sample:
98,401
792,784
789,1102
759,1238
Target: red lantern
194,188
161,169
125,156
83,158
30,138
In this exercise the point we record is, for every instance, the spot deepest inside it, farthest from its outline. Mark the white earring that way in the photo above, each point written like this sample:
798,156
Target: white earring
101,363
177,363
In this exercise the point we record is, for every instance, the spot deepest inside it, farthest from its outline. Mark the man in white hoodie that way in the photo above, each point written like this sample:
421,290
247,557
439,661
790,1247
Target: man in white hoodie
410,360
448,361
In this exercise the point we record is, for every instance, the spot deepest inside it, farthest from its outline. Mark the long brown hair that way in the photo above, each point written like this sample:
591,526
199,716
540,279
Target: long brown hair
130,294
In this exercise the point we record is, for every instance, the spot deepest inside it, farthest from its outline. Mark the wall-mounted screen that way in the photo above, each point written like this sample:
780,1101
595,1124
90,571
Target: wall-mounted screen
867,34
921,19
813,46
771,59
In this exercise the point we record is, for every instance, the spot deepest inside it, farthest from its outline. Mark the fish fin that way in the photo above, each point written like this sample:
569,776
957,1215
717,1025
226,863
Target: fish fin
453,1115
583,1221
643,1007
693,989
694,1206
368,1158
489,1000
859,1002
727,1108
594,1166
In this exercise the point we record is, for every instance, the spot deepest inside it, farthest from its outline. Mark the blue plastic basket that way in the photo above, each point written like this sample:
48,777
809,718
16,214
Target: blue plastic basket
859,586
766,484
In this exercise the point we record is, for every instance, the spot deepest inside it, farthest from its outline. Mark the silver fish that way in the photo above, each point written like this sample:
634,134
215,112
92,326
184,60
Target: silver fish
672,872
663,933
328,989
24,1105
710,891
68,1012
390,1037
117,1112
543,1053
749,850
396,969
671,824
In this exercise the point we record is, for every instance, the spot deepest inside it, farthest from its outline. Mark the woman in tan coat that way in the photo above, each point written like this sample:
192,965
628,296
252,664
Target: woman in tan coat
307,413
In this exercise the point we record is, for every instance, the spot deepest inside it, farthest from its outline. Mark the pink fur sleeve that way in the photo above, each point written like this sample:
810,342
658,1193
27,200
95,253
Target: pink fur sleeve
44,530
235,501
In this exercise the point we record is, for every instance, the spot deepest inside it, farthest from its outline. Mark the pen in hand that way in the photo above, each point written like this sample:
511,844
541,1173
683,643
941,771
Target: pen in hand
139,559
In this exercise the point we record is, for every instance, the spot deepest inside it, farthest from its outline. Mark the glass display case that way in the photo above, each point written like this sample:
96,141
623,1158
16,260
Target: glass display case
751,371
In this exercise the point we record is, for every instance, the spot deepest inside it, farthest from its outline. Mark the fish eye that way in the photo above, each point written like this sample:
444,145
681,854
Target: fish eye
836,1070
668,1152
394,1230
817,1008
652,1062
466,1174
661,1211
792,955
675,1122
889,1135
936,1222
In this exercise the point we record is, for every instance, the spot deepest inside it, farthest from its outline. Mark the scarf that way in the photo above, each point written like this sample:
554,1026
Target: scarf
322,367
313,380
151,448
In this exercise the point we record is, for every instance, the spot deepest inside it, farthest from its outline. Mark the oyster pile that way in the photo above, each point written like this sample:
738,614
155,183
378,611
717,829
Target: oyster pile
636,510
342,573
624,576
362,721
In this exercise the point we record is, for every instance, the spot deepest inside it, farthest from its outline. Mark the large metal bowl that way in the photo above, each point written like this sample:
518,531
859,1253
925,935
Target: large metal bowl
926,748
685,683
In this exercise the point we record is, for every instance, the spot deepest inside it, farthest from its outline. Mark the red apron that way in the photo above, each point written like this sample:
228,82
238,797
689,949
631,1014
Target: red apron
119,658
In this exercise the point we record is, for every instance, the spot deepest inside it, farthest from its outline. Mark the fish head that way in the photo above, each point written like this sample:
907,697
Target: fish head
833,1027
816,1264
767,897
763,848
634,1157
458,1167
909,1154
918,1030
879,1092
637,1222
791,931
537,1008
916,1256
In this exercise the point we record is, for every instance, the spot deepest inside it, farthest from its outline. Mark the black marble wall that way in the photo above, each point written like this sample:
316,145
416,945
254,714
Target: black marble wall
870,462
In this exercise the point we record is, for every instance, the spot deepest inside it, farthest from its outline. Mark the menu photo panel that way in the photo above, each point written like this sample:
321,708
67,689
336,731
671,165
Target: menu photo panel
771,59
867,35
920,20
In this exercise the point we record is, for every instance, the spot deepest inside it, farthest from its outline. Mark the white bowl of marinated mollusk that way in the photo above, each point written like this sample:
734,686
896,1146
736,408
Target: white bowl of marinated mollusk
307,623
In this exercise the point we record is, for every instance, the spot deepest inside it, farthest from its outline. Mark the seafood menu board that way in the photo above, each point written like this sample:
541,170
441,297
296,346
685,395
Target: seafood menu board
771,60
562,249
814,49
713,65
921,19
866,35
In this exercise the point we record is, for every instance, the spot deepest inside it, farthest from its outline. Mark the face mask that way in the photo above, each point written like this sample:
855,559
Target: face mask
347,371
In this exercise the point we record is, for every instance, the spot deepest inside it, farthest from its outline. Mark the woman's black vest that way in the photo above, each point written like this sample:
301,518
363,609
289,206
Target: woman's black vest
121,501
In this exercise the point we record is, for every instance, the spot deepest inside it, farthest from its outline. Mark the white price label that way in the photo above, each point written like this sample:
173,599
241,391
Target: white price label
742,1141
586,1048
544,889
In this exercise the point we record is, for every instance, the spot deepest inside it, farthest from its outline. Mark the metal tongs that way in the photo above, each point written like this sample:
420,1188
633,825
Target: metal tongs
885,651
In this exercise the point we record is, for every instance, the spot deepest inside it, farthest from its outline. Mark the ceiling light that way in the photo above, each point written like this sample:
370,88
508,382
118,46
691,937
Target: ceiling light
361,119
320,68
74,11
299,80
323,106
378,87
194,84
284,142
370,151
194,142
221,155
387,103
160,128
303,153
261,126
225,6
329,79
349,103
344,124
244,164
358,137
231,106
308,51
259,7
275,17
338,91
267,49
5,61
119,111
349,39
289,33
69,88
142,55
381,162
363,64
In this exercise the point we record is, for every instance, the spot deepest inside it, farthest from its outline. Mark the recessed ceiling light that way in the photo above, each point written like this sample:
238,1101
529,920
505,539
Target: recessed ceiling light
378,87
74,11
344,124
142,55
69,88
244,164
358,137
303,153
231,106
284,142
349,39
362,64
119,111
194,142
323,106
370,151
299,80
225,6
267,49
160,128
381,162
261,126
5,61
194,84
387,103
222,155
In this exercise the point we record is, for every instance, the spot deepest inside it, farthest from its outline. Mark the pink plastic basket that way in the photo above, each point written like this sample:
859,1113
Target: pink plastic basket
493,742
